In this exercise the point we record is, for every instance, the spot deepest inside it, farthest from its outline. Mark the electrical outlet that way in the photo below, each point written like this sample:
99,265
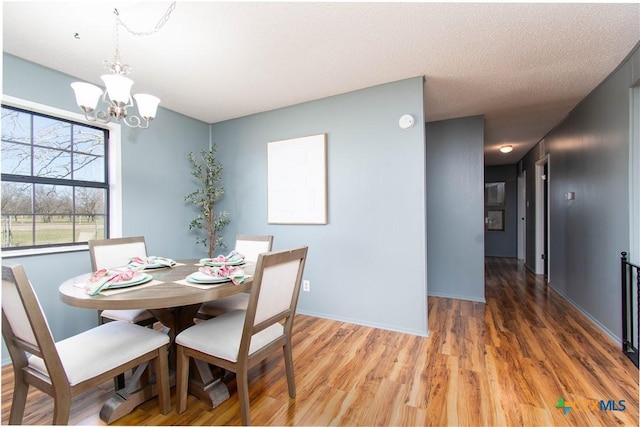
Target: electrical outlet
306,286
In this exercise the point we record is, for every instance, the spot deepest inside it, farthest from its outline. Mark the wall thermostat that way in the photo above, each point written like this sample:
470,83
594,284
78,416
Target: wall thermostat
407,121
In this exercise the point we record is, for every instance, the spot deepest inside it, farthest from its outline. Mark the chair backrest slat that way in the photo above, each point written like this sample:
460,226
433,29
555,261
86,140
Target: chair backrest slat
15,313
274,293
27,330
253,245
109,253
276,290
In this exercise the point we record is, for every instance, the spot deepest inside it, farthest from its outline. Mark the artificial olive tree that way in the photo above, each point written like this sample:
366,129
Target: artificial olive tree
208,171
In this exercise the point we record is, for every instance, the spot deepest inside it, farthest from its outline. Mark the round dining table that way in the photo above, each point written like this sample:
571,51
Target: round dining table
172,300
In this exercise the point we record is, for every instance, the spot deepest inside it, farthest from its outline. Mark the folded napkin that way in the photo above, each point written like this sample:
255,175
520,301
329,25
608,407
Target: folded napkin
233,258
102,279
236,274
139,263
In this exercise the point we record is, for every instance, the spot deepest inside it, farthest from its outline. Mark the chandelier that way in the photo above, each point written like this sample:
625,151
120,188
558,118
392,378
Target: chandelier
117,95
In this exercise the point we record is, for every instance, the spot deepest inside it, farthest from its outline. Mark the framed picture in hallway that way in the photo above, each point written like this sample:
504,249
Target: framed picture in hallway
494,194
495,220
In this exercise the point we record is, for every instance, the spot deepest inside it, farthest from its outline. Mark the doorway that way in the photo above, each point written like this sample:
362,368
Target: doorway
522,215
634,177
634,213
542,216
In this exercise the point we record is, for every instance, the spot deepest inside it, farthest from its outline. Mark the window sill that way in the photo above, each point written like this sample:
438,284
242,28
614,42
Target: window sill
43,251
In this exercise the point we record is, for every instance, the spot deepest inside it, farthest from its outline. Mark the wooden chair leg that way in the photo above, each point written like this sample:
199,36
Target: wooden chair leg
61,408
182,379
162,380
242,380
288,363
19,401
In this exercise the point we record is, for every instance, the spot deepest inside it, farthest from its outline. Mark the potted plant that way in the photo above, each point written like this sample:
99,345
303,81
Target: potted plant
208,171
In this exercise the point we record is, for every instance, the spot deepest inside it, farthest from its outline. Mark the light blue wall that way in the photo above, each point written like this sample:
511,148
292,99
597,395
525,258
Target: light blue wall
155,178
455,208
589,155
367,265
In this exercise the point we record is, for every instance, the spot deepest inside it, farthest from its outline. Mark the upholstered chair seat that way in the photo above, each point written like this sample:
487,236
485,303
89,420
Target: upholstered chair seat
91,353
129,316
221,336
224,305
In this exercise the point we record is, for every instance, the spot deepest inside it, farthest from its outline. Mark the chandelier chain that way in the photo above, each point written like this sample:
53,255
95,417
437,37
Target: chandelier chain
163,20
116,65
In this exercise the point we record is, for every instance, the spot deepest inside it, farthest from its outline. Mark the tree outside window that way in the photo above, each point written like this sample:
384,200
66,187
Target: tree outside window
54,181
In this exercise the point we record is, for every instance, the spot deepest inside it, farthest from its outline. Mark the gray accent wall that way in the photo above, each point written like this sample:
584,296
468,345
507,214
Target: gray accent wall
504,243
589,155
455,208
368,264
155,178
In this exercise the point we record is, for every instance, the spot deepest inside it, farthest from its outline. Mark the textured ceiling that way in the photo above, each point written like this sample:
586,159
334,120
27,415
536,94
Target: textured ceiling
521,65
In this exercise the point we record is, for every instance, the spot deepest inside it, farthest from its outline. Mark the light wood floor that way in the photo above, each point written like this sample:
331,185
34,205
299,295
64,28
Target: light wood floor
506,362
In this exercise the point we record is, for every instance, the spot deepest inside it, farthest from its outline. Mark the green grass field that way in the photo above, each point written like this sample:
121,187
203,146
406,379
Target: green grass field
19,232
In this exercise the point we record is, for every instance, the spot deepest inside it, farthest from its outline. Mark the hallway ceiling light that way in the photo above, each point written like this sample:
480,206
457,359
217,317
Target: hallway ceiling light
117,95
506,149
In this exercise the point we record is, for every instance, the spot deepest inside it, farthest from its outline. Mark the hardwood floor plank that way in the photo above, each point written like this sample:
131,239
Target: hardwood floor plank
328,405
436,385
491,413
395,395
503,363
470,401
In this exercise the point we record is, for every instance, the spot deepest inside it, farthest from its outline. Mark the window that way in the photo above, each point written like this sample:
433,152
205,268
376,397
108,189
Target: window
56,184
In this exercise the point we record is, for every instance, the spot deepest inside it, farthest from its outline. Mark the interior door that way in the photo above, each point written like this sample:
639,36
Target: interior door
545,216
522,216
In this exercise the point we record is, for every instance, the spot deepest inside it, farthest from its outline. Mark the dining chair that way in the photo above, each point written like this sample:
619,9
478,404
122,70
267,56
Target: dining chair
250,246
74,365
240,339
109,253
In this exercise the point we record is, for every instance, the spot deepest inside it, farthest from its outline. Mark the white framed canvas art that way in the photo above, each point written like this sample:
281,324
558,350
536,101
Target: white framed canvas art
297,180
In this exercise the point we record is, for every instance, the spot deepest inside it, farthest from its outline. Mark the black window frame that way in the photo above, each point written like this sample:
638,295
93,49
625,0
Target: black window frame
70,183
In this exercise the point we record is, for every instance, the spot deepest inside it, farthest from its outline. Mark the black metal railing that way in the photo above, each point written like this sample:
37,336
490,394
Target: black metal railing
630,299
